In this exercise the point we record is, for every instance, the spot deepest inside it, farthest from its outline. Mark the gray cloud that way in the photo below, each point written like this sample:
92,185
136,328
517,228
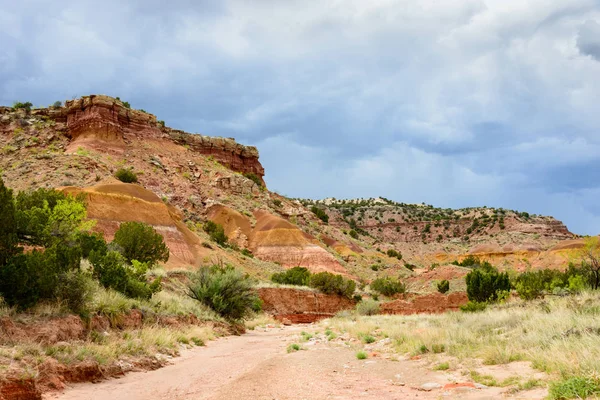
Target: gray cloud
457,103
588,40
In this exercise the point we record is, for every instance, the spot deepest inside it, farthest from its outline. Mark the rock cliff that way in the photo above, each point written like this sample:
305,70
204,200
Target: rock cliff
104,123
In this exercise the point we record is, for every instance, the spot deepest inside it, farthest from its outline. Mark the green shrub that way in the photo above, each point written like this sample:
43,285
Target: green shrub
57,104
329,283
17,105
410,267
483,285
89,242
76,289
535,284
367,307
225,290
443,286
388,286
353,234
126,175
473,306
139,241
112,271
299,276
277,203
293,347
368,339
320,213
394,253
247,253
216,232
442,366
254,178
361,355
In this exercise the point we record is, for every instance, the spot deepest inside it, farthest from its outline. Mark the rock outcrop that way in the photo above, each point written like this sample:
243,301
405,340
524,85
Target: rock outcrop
433,303
113,203
302,306
104,122
275,239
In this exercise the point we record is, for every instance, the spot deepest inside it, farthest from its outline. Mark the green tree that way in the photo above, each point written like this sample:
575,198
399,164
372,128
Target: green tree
216,232
484,285
46,217
590,261
141,242
321,214
8,231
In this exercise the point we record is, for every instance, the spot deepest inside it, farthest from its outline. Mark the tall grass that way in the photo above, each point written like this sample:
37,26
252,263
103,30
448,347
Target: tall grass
560,336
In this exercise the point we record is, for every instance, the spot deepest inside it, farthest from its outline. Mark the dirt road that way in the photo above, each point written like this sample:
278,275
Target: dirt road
257,366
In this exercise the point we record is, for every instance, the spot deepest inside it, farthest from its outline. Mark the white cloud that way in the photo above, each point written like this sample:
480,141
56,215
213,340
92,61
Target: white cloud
454,102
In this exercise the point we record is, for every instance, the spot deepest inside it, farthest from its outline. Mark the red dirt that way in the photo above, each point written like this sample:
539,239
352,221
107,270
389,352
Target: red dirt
20,390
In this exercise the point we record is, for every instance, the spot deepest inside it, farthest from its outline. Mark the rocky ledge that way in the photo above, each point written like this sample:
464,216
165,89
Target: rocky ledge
103,121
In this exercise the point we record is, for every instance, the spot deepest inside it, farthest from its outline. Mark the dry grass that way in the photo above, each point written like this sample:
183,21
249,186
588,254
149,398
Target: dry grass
560,336
105,348
260,321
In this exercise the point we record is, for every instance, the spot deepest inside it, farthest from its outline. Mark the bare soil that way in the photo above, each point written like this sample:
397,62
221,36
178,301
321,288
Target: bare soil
258,366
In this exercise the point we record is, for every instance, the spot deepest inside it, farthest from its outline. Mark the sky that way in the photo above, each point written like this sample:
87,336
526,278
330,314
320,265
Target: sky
454,103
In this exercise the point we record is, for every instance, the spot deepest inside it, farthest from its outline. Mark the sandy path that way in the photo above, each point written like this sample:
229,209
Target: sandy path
257,366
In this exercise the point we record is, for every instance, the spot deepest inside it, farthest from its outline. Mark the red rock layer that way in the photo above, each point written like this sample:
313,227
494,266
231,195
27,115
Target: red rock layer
102,121
431,303
302,306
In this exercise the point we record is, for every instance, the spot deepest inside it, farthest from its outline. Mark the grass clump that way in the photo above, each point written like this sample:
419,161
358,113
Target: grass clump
225,290
361,355
442,366
126,175
367,307
575,387
368,339
293,347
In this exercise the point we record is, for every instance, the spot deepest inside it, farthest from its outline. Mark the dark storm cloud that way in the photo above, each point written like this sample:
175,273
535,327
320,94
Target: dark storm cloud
457,103
588,40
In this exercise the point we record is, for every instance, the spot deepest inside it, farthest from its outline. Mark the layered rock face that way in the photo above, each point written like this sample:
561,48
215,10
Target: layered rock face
434,303
275,239
114,203
302,306
99,121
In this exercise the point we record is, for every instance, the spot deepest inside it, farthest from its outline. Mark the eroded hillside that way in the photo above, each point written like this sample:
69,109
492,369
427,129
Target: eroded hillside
185,179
